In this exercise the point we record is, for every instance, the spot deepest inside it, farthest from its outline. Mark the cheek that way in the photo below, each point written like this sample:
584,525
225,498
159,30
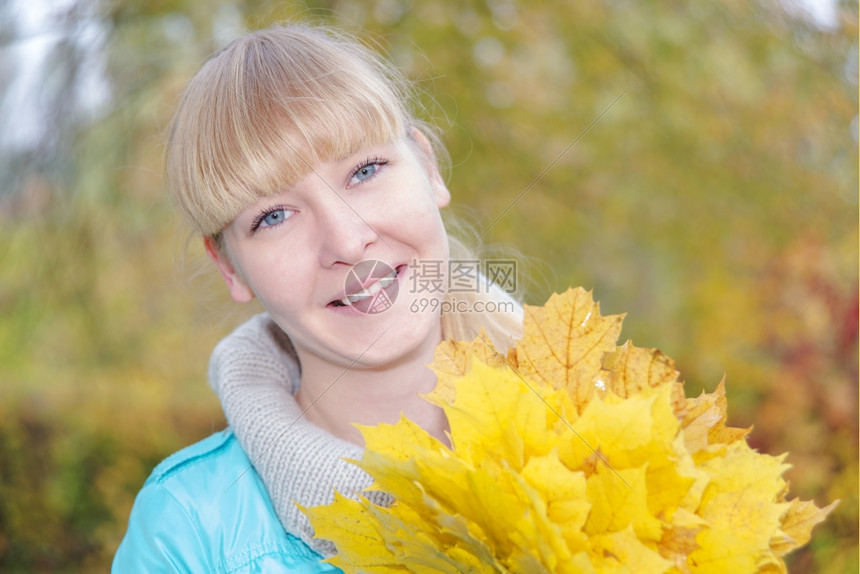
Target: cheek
435,225
431,233
418,225
277,276
420,214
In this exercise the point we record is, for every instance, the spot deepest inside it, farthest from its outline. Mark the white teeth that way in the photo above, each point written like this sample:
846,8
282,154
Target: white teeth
375,288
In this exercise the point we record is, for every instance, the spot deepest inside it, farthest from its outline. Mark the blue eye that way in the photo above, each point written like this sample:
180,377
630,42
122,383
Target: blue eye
275,217
366,170
271,218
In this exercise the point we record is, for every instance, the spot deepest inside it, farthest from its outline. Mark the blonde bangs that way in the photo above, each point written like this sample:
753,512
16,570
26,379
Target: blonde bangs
268,109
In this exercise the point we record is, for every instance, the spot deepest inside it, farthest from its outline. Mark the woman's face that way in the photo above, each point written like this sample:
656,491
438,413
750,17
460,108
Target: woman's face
294,251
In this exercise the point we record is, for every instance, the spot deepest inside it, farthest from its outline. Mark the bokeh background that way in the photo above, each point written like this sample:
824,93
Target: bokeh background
692,162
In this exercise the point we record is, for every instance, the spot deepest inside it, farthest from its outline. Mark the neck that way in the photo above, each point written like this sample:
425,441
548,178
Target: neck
336,398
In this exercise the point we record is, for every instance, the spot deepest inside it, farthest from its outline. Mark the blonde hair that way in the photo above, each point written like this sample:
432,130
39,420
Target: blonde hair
489,308
271,105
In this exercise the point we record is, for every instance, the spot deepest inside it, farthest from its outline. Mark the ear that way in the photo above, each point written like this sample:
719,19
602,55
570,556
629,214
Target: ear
239,290
431,166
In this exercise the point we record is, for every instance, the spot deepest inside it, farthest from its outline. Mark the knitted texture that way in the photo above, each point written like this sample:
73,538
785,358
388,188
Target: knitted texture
255,373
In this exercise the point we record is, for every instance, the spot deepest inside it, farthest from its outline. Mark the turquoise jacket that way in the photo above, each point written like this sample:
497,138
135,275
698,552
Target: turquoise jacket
205,509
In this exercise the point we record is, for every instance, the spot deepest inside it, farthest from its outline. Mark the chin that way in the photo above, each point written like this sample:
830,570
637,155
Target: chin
402,340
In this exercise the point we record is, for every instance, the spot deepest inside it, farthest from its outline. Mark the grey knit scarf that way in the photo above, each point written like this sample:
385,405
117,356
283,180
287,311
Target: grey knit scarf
255,373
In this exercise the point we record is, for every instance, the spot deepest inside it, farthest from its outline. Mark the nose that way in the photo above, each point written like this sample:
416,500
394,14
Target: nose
345,233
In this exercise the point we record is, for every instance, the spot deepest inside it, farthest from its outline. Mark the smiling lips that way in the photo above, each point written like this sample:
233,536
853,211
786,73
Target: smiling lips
367,286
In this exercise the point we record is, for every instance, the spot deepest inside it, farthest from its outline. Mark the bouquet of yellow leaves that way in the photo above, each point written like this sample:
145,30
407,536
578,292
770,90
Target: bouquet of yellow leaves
568,454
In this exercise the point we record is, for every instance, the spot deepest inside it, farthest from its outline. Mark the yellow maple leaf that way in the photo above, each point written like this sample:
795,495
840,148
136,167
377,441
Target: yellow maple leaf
797,525
453,359
568,454
564,342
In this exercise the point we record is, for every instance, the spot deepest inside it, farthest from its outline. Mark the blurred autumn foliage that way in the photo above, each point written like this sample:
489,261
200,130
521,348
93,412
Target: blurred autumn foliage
695,163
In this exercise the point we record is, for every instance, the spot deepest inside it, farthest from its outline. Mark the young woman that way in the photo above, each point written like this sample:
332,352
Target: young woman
296,155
